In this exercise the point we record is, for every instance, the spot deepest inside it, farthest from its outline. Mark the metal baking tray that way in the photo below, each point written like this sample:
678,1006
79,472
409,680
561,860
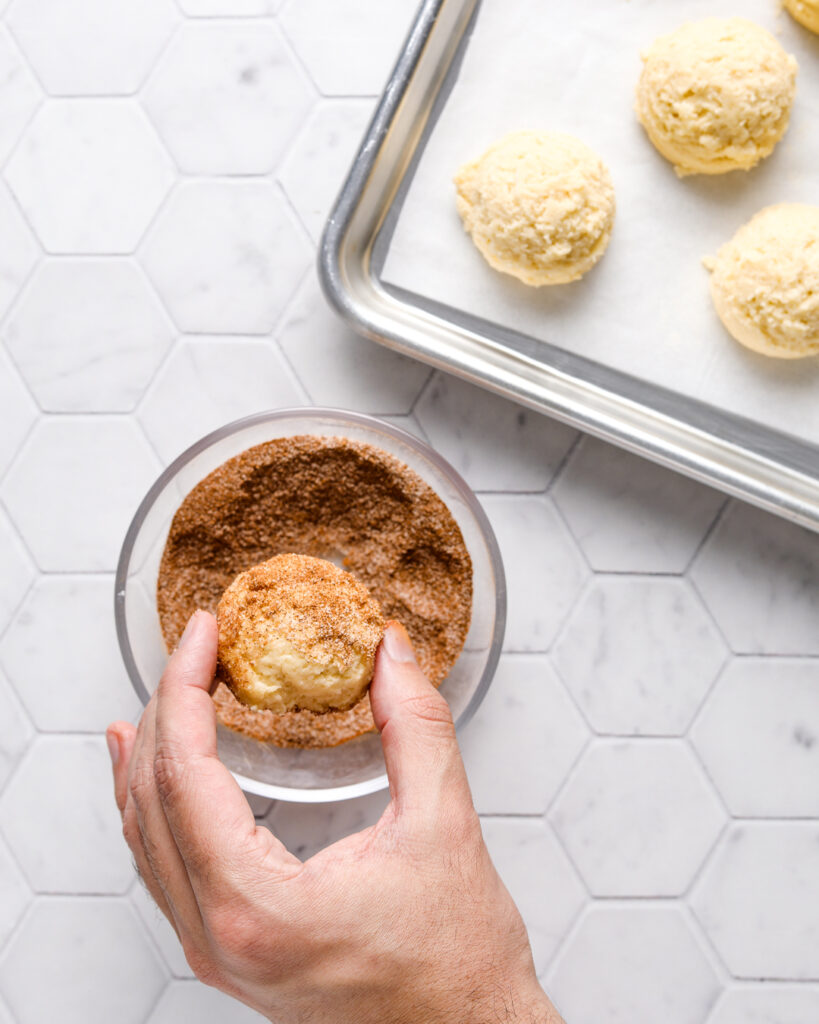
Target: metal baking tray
773,470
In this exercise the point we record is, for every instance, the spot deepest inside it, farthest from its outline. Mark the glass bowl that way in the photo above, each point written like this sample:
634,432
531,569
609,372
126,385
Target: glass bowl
355,767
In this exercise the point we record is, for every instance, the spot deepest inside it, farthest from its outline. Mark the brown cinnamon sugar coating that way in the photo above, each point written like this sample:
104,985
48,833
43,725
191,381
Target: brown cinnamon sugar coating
331,498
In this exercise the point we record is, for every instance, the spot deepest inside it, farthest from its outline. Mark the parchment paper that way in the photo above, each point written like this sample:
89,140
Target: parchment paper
572,65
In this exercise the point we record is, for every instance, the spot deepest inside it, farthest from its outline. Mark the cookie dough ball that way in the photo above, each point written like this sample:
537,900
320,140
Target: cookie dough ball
716,95
765,282
538,205
298,633
806,12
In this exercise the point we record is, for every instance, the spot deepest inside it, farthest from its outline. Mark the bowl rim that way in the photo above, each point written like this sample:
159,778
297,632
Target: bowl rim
342,417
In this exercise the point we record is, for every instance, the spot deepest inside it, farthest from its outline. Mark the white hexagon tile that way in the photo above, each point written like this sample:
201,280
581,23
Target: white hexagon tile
475,431
631,516
64,694
544,571
340,369
19,411
19,97
646,760
82,531
92,47
16,731
537,873
527,708
227,99
226,256
19,252
88,335
318,160
639,654
638,818
209,381
757,900
634,963
89,175
76,943
64,844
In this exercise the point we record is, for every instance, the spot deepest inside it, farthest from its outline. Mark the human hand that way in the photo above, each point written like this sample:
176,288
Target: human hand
404,922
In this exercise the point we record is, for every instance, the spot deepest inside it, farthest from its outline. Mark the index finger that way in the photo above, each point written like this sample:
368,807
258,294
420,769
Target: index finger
206,810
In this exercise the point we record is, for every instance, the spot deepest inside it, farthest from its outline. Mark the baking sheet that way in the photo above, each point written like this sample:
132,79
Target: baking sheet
645,309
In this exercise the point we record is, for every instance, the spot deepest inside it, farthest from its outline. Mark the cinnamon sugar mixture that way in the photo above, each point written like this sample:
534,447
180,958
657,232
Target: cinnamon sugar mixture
332,498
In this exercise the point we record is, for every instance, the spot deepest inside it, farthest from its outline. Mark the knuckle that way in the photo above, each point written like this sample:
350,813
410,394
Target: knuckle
236,932
202,964
168,773
130,829
140,785
432,709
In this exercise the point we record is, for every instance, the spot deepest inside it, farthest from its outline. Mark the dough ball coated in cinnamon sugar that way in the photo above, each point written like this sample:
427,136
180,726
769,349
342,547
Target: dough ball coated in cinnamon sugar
298,633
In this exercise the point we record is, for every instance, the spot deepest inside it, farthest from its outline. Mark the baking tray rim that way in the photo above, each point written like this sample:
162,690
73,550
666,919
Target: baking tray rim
450,341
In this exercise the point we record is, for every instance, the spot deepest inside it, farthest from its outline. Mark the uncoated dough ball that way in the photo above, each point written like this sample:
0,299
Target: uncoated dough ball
765,282
715,95
806,12
538,205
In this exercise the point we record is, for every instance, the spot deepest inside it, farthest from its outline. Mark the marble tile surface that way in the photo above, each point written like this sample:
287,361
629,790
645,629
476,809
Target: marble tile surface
629,515
350,46
89,175
92,47
540,878
768,1004
66,845
65,694
227,99
639,654
20,94
15,894
637,818
184,1001
19,411
16,731
337,367
18,572
644,762
82,532
758,737
207,382
757,900
633,963
88,335
318,159
19,252
524,738
544,575
475,430
760,577
226,256
58,940
232,8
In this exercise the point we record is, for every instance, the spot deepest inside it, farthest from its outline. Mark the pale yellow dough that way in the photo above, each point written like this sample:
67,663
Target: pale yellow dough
806,12
716,95
765,282
297,632
538,205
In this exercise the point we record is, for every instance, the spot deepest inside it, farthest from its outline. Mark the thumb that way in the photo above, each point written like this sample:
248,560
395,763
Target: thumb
424,766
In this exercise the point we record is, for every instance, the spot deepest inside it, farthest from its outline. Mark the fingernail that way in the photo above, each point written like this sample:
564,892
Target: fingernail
190,629
397,643
112,740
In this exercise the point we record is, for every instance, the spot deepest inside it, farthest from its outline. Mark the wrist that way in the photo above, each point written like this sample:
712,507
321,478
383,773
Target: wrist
516,1004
